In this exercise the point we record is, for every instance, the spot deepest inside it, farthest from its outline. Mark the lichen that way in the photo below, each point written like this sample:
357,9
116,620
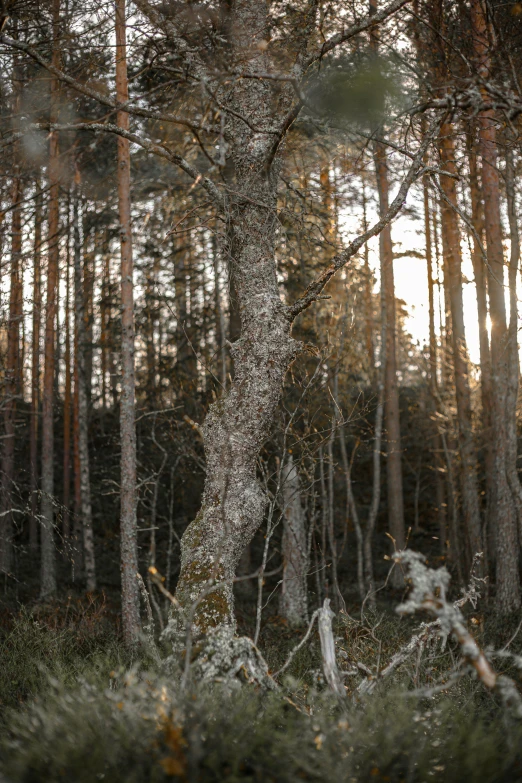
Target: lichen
231,660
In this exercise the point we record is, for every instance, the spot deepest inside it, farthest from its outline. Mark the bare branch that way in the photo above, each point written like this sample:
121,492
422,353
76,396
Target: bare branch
359,27
314,289
149,146
96,95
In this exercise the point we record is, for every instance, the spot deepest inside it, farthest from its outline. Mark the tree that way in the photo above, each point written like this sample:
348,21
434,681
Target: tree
84,512
294,595
508,580
48,566
128,541
13,386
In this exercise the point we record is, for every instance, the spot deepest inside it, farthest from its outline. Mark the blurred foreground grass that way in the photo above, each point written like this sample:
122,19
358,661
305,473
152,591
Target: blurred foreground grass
75,706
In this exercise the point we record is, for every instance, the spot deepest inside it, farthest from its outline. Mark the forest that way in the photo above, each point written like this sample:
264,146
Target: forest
260,492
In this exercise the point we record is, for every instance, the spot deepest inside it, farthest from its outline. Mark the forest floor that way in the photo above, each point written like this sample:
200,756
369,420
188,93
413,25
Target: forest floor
76,706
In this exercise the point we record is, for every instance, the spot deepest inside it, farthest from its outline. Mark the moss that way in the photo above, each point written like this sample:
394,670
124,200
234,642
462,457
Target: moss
192,535
215,608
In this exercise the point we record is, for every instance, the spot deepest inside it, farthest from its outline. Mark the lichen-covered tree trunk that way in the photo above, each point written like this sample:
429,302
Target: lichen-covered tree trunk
294,596
239,422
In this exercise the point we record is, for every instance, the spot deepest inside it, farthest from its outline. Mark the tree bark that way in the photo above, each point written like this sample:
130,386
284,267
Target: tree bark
48,560
507,575
128,533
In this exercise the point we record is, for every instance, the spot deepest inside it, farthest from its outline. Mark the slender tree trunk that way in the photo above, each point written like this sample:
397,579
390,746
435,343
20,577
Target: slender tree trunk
446,386
392,413
48,560
294,594
89,274
186,363
392,409
104,318
507,575
368,307
67,408
35,369
332,540
479,270
453,259
87,537
12,376
513,360
433,379
128,533
76,545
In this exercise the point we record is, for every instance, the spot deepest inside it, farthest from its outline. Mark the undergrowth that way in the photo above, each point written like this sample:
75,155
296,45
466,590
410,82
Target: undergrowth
76,707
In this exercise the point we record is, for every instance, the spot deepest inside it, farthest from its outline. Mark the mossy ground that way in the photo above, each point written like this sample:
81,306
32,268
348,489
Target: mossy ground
76,706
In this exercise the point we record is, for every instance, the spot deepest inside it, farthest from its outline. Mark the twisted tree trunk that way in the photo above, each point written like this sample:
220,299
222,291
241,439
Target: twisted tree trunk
238,423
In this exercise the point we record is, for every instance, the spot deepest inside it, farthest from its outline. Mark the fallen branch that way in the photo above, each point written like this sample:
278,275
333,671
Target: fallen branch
331,671
428,594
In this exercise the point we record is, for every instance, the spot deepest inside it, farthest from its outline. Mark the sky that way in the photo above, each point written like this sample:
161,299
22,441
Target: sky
411,285
411,277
